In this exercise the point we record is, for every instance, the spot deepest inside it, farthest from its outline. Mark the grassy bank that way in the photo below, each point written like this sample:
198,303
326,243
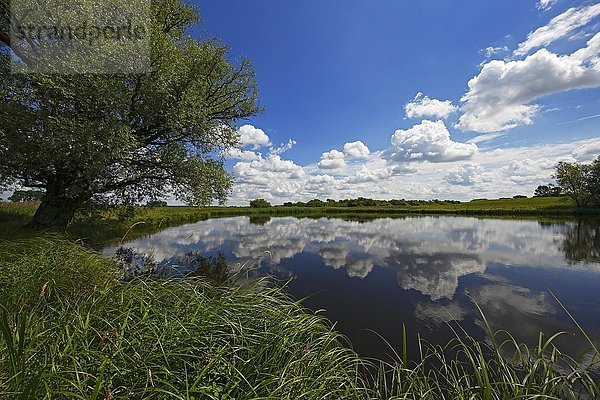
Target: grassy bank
70,329
108,226
101,228
543,207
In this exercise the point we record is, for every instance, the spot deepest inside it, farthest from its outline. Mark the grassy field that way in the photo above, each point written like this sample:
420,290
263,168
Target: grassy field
70,328
559,206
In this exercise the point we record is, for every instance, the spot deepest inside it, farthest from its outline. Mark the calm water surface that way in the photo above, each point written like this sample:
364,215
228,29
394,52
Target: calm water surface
423,272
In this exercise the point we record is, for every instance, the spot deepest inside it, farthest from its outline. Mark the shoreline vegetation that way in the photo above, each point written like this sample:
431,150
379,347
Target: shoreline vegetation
70,328
98,228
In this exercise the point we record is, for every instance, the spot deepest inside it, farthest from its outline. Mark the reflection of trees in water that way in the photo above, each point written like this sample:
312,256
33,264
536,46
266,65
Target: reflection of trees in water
582,241
260,219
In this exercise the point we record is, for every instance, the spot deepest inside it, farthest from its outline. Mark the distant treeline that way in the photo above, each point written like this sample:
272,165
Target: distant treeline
359,202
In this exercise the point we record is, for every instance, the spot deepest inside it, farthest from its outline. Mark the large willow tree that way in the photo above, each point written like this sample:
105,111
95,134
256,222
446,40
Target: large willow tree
121,136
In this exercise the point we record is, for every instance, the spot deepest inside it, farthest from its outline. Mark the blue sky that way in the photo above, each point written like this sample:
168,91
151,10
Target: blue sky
333,72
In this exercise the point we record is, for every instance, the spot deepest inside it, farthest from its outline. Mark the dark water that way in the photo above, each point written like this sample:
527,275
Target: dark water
422,272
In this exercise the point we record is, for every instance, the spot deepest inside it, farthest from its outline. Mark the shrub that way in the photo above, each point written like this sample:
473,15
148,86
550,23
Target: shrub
156,203
260,203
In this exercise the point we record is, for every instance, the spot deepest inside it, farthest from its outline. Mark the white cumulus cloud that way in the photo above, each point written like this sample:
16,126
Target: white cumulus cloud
365,174
268,171
467,175
254,137
333,159
283,147
500,97
423,106
356,150
427,141
529,171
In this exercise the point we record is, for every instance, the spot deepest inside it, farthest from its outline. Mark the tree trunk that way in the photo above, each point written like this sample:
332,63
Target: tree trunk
53,212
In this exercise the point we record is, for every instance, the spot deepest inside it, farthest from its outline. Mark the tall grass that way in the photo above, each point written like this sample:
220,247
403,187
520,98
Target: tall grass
50,268
159,338
500,368
69,329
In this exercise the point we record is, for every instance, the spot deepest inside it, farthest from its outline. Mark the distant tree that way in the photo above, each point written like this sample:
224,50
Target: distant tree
398,203
260,203
123,136
316,203
593,181
342,203
21,196
547,191
156,203
362,202
519,196
572,178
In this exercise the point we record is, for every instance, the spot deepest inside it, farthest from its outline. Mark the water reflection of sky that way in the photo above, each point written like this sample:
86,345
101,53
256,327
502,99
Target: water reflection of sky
379,274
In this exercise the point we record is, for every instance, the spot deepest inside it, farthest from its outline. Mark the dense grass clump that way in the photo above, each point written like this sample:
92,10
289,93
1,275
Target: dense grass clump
498,369
158,338
50,269
70,329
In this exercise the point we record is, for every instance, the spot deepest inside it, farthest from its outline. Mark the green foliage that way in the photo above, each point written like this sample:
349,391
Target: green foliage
593,181
23,196
315,203
129,136
364,202
156,203
260,203
547,191
499,368
580,181
158,338
49,269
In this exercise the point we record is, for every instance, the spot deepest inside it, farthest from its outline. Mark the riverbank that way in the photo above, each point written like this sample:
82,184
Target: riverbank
543,207
107,226
70,327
